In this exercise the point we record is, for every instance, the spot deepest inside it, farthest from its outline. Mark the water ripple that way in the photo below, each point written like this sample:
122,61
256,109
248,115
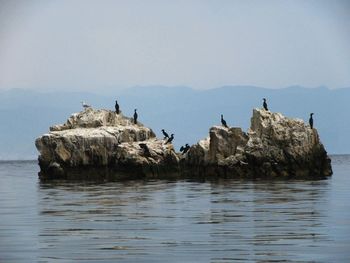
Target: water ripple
173,221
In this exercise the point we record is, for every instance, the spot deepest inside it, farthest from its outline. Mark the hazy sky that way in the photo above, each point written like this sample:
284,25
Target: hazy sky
85,45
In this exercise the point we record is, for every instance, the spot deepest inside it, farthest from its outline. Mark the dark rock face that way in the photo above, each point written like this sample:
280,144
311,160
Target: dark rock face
103,144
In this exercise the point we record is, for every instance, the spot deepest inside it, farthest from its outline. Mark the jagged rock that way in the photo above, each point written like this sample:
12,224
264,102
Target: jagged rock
224,142
275,146
91,118
102,144
198,155
96,140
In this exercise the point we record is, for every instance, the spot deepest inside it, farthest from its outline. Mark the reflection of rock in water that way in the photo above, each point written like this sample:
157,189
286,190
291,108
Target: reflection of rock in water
99,143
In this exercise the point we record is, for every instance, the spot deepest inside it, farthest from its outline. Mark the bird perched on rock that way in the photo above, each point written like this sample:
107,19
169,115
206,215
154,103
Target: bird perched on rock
185,149
135,116
166,135
265,104
223,122
170,139
311,121
85,106
116,107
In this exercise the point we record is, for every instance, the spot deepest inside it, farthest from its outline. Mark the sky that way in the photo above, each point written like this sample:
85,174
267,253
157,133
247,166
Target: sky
87,45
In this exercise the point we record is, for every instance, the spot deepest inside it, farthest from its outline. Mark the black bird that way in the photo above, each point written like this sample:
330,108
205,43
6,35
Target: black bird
166,135
223,122
135,116
187,147
116,107
311,121
171,138
182,149
265,104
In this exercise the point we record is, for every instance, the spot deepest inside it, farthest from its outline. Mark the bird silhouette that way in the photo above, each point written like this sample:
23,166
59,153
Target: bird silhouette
265,104
223,122
116,107
166,135
186,148
135,116
311,121
85,106
171,138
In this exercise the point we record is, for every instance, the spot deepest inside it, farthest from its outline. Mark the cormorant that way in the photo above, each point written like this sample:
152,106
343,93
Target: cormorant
311,121
171,138
166,135
116,107
135,116
265,104
223,122
85,106
184,149
187,147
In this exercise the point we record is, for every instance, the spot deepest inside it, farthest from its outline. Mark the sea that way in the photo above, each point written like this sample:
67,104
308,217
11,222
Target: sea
173,221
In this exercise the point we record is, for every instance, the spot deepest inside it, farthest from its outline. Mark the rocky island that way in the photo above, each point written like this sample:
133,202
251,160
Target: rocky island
101,144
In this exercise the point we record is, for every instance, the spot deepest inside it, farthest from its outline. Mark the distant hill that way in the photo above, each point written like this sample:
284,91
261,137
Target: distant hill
26,114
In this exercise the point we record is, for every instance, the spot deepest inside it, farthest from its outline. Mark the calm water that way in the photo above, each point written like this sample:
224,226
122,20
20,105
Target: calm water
182,221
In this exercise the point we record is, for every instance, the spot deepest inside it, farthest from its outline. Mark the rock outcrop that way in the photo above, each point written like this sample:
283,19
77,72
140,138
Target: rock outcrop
103,144
274,146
